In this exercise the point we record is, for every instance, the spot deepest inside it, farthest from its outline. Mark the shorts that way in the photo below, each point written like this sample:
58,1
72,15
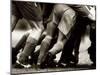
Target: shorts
58,12
27,10
67,22
64,17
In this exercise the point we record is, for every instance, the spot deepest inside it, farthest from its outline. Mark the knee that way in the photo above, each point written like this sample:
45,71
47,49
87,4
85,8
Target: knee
47,39
59,9
51,25
34,35
31,40
51,28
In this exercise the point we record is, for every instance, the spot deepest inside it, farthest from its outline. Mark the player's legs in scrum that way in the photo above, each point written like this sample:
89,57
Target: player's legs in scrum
35,34
50,31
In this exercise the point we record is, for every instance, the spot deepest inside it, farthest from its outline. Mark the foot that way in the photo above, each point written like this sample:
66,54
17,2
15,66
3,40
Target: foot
22,58
16,65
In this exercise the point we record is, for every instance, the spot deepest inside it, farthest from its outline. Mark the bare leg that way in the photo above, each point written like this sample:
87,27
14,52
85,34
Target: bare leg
58,12
46,43
65,25
59,45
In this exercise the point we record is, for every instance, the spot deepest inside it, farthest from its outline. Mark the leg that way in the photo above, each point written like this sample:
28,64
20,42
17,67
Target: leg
14,16
67,26
59,45
46,43
67,50
19,45
31,42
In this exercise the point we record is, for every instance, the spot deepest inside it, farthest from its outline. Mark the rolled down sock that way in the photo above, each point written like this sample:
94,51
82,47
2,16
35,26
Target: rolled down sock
57,48
30,45
32,42
44,49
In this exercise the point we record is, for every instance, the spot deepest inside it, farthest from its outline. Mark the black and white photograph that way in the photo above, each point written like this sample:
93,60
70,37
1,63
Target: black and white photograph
52,37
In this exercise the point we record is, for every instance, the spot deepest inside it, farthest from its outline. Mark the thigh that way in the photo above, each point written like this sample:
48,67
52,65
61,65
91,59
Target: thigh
15,11
30,10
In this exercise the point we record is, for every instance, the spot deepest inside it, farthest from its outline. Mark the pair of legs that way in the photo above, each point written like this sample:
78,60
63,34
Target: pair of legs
31,13
28,38
73,42
63,18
